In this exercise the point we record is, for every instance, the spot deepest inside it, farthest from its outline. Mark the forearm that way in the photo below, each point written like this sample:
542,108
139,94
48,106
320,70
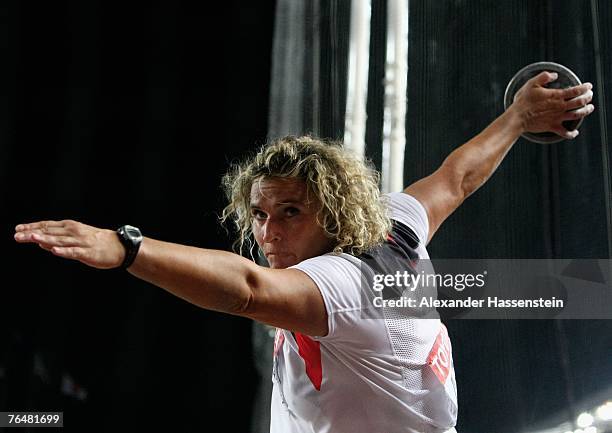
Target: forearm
212,279
475,161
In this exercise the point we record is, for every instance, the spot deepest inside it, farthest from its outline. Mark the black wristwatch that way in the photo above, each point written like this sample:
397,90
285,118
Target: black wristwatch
130,238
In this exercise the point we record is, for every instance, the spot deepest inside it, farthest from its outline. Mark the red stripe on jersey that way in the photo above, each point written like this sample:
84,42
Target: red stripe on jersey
439,358
310,351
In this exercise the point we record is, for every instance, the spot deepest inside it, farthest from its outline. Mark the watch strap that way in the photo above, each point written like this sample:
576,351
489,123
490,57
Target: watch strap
130,243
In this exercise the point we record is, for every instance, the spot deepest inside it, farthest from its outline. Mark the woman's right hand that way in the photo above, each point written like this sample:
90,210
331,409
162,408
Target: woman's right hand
541,109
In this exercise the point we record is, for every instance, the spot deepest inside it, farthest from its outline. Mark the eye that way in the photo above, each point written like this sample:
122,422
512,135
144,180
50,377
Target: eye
292,211
258,215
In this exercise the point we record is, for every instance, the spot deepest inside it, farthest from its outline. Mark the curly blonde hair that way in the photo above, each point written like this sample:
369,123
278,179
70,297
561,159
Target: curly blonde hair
351,211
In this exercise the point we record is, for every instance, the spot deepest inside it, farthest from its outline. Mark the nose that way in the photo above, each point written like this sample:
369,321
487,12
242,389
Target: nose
271,230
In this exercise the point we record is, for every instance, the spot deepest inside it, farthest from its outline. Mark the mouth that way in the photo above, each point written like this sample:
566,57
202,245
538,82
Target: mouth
278,260
278,255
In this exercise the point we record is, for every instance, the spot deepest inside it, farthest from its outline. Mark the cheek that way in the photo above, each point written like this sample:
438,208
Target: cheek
310,237
322,241
256,233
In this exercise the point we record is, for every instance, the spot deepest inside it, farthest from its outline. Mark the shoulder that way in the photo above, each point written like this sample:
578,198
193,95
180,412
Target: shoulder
410,212
338,278
332,271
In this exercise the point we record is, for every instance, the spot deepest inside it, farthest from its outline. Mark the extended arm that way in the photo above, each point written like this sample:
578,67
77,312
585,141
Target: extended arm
212,279
535,109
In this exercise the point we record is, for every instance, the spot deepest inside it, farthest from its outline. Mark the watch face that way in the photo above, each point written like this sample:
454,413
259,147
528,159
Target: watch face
132,232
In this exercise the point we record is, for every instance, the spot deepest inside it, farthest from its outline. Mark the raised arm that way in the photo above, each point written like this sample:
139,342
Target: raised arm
535,109
212,279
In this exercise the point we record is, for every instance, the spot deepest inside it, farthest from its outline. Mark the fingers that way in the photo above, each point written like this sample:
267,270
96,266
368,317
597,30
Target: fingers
45,247
47,233
570,135
579,113
41,225
76,253
49,240
544,78
23,237
573,92
62,246
579,101
70,239
36,232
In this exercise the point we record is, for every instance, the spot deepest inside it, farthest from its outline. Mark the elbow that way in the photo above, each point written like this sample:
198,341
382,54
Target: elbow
470,167
463,179
246,300
470,183
458,180
245,305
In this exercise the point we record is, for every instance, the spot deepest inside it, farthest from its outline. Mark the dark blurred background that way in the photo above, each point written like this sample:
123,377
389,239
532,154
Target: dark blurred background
116,113
125,113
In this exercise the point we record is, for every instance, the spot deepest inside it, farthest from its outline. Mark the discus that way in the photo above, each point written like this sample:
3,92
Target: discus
566,78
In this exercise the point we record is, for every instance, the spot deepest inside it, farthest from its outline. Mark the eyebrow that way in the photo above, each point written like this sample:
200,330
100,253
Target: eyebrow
280,203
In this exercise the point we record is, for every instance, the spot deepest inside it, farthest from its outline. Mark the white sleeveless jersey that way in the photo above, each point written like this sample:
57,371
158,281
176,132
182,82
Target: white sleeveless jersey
384,375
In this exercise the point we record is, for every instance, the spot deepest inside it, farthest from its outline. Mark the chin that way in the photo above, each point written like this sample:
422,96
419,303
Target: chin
276,262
